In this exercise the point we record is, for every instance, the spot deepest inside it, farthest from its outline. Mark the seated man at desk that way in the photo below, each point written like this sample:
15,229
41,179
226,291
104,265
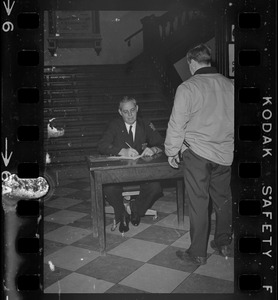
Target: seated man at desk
130,136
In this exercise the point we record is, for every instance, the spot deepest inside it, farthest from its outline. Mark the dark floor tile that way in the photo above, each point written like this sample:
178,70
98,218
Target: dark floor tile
109,221
49,210
111,268
196,283
50,247
50,226
80,195
167,258
159,234
91,243
122,289
51,277
84,207
85,222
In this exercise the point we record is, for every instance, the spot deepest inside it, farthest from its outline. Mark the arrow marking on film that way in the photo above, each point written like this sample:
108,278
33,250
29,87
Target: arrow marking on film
6,159
8,7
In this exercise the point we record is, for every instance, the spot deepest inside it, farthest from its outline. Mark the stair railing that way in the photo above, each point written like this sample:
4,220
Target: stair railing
157,34
164,37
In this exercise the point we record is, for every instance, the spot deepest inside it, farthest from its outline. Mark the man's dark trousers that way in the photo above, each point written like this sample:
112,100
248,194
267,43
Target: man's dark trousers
203,180
149,193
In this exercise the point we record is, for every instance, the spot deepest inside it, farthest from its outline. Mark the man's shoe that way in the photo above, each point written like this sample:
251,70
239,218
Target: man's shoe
134,217
190,259
124,221
222,250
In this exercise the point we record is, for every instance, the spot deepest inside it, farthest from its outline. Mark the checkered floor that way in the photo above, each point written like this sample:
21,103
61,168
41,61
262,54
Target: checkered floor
143,261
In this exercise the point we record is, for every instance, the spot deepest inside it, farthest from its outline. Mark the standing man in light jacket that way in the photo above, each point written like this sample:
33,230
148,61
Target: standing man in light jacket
201,129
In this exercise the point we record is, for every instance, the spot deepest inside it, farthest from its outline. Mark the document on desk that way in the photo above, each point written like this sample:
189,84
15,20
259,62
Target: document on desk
124,157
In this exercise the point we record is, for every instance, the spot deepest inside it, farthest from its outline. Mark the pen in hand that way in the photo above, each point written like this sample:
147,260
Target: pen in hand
128,145
134,152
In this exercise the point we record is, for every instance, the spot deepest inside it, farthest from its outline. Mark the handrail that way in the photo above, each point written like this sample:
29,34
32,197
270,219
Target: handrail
131,36
163,36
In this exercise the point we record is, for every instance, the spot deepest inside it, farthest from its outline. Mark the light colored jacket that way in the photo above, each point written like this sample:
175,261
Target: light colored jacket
202,117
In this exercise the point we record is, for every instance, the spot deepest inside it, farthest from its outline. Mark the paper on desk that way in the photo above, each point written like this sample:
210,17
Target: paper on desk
124,157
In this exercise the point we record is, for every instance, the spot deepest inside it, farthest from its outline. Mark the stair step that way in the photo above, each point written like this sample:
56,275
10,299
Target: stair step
71,83
89,91
75,139
85,99
101,123
100,100
108,116
94,71
96,106
92,111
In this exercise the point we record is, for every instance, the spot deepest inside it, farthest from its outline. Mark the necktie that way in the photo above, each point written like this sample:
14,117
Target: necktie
130,134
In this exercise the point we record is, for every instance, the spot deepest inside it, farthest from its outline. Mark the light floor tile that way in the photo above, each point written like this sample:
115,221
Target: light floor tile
185,242
78,283
64,217
67,234
159,234
172,222
71,258
218,267
137,249
62,203
62,191
133,230
155,279
165,206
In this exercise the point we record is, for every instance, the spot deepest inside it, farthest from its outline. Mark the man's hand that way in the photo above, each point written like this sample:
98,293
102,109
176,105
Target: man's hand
149,152
174,161
130,152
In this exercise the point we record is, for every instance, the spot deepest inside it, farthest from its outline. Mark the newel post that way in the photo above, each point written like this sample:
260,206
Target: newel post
151,34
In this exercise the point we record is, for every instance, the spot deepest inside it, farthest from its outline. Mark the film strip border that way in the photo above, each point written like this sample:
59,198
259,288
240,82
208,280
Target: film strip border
255,155
255,107
22,146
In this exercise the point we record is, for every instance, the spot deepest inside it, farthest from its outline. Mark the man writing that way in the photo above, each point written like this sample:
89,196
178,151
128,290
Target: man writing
131,136
201,127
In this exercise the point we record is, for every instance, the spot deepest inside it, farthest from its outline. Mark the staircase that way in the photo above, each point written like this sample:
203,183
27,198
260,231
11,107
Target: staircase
84,99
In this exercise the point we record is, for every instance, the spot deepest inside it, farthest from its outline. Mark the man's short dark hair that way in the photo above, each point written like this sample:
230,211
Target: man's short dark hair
200,53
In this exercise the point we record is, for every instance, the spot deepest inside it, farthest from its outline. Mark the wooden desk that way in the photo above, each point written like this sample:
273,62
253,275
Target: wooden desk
107,171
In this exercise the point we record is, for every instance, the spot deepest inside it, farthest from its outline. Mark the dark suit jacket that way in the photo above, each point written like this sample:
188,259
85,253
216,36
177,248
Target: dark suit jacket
116,136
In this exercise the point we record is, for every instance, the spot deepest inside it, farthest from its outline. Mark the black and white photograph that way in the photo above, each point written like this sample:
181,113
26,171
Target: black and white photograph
119,218
156,150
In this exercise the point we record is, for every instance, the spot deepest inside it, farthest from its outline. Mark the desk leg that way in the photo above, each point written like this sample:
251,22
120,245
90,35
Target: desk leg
94,206
180,203
100,215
